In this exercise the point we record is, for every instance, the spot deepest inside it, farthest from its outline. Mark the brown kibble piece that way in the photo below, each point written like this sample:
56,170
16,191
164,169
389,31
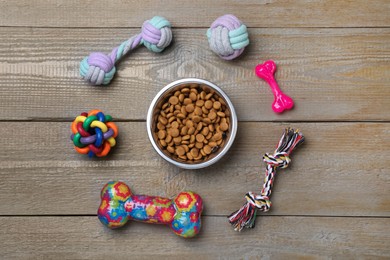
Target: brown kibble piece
181,97
183,157
208,104
181,116
198,111
191,130
223,126
171,149
196,119
187,101
199,127
177,140
209,95
199,137
205,131
212,115
175,132
189,156
189,124
184,130
160,126
221,114
185,90
217,105
204,110
217,137
180,151
161,134
207,149
207,120
199,145
199,103
190,108
194,152
175,124
168,139
173,100
162,120
193,96
212,144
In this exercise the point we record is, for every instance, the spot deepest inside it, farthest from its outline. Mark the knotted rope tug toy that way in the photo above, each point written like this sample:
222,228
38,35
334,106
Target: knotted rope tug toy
228,37
93,133
245,217
119,205
99,68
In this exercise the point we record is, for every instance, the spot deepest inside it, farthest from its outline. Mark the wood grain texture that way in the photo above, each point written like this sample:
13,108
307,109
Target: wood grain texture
273,238
263,13
337,172
332,74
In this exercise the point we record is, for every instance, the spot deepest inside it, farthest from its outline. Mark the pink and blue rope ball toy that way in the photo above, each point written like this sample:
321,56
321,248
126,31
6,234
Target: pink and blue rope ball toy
228,37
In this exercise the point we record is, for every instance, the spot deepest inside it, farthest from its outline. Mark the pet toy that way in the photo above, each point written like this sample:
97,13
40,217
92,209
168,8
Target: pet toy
118,205
266,72
245,217
93,133
228,37
99,68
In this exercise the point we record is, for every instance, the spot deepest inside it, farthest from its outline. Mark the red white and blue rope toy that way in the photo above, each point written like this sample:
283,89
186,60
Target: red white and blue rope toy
245,217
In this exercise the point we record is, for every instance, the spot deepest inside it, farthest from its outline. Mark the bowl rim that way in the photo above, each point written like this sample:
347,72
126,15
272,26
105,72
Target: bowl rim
226,147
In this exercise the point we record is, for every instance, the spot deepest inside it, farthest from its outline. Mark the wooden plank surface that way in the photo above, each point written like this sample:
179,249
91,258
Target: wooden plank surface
333,59
255,13
332,74
337,172
273,238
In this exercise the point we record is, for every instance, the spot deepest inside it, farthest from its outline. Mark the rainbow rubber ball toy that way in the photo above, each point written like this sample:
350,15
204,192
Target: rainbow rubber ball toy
93,133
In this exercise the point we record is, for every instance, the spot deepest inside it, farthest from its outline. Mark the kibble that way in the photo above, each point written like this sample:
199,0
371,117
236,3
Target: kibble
193,123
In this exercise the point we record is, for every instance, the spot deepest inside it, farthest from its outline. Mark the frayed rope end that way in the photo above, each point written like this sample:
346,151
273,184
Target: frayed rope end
244,217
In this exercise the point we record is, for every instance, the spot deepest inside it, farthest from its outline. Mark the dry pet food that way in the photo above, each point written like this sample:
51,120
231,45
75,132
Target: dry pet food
193,123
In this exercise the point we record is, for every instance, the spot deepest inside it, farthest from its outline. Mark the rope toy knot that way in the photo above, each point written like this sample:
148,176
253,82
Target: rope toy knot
156,34
278,160
228,37
99,68
93,133
262,202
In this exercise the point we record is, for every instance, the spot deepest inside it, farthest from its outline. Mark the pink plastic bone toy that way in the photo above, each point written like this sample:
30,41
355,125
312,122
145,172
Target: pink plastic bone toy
282,101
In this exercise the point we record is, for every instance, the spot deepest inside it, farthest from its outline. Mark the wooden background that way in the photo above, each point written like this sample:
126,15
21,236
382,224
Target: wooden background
333,59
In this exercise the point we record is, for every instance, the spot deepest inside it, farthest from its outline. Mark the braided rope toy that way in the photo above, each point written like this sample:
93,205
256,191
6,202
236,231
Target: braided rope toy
93,133
245,217
228,37
99,68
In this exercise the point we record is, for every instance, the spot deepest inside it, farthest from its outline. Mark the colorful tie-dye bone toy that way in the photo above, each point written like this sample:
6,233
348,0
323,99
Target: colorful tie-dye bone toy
182,214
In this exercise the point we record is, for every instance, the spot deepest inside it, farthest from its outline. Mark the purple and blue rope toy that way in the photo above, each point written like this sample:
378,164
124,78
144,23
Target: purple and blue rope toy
99,68
228,37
